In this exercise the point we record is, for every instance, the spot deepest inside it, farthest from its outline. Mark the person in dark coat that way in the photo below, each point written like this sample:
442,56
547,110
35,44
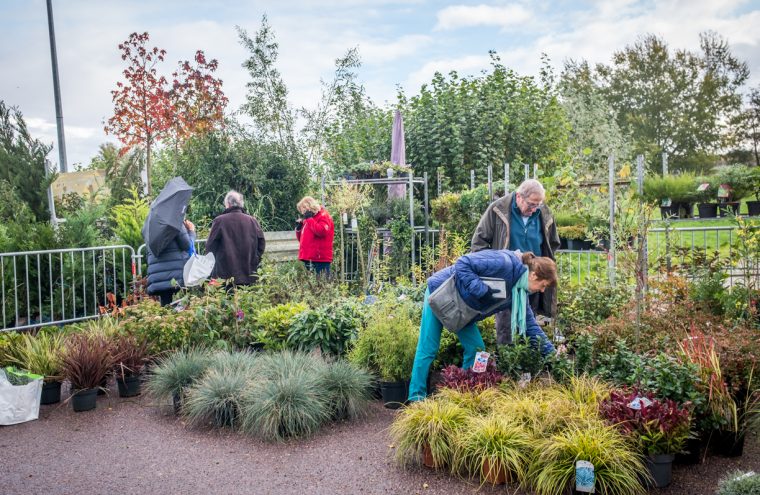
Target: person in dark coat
315,233
523,274
520,221
237,241
165,269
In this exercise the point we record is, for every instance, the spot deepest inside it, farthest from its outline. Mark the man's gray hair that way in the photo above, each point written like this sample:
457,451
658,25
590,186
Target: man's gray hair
233,199
530,187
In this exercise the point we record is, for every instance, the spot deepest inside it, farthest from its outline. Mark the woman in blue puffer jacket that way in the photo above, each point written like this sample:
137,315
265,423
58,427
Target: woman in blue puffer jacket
169,263
523,274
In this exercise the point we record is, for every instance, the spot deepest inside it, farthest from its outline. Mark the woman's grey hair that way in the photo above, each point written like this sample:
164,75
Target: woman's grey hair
232,199
530,187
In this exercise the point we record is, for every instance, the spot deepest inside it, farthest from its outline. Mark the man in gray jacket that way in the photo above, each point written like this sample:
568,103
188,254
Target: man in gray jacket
520,221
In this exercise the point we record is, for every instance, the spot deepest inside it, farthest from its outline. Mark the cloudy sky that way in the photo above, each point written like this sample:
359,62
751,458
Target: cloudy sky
402,43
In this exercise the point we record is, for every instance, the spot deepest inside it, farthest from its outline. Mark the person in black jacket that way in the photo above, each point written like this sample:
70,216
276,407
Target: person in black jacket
237,241
165,269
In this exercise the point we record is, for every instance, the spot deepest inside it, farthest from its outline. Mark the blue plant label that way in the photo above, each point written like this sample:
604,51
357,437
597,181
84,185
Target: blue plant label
584,477
481,362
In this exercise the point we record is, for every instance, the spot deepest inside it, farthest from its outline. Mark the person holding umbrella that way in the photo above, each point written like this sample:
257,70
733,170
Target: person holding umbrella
169,238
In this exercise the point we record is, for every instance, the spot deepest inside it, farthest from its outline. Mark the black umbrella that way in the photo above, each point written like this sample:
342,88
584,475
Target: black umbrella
166,215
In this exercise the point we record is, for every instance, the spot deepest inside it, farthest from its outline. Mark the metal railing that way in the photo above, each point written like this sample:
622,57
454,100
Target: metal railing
62,285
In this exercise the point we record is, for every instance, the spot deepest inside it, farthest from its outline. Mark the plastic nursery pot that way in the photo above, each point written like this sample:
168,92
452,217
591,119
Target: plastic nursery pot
129,386
51,392
661,469
695,449
707,210
727,443
494,474
84,400
730,208
753,208
427,457
394,393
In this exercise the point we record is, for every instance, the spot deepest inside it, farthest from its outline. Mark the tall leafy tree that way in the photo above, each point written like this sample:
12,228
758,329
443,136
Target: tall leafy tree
22,163
748,124
142,108
122,170
461,124
197,98
679,102
267,99
594,134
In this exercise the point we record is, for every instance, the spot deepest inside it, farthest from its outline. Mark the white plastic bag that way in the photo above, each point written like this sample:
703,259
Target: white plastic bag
197,269
19,403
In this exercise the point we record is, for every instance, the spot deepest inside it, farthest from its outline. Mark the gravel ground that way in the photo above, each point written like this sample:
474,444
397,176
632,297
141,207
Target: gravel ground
130,446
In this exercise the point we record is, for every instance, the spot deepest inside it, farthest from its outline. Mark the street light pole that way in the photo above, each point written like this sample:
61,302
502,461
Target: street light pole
57,91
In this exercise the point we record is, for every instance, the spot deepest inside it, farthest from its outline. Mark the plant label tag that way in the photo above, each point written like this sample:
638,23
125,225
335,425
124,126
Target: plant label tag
703,187
666,202
584,477
481,362
724,191
635,404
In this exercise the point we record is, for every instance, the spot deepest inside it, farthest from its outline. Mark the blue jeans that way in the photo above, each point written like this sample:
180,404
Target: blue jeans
427,349
318,267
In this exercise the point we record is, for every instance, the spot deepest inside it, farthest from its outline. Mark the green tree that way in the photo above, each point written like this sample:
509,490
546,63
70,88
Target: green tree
122,168
595,134
748,125
267,99
469,123
680,102
22,162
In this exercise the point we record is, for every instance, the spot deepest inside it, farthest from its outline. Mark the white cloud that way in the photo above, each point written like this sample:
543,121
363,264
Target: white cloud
468,65
459,16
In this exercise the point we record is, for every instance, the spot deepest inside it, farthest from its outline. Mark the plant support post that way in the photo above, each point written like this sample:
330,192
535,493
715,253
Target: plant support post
611,254
506,178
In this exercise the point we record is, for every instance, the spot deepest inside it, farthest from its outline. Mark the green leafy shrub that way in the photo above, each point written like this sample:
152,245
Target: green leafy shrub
128,219
739,483
273,324
519,358
386,346
589,303
162,327
330,328
677,188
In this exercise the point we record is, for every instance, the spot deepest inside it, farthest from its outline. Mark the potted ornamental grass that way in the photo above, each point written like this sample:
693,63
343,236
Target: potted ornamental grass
735,183
87,360
42,354
659,427
426,431
130,355
495,448
173,374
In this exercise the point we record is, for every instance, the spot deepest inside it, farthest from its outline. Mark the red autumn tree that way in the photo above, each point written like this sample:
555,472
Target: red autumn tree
197,98
142,108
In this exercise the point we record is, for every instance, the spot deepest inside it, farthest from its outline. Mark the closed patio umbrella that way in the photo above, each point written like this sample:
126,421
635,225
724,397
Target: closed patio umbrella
166,215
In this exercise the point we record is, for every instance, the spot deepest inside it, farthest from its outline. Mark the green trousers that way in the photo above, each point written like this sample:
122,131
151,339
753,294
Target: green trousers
427,349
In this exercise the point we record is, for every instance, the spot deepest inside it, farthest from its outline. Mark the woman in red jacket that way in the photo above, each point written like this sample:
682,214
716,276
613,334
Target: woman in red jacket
315,232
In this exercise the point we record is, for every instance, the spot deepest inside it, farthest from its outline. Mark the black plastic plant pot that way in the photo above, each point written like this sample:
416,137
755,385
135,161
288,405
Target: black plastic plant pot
51,392
695,449
84,400
726,209
669,211
579,245
727,443
394,393
661,469
707,210
753,208
129,386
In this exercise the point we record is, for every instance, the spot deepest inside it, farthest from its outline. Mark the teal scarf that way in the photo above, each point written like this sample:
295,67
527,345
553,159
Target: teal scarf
519,303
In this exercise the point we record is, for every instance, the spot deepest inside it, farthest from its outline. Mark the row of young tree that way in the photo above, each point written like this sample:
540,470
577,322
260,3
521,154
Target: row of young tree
692,105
